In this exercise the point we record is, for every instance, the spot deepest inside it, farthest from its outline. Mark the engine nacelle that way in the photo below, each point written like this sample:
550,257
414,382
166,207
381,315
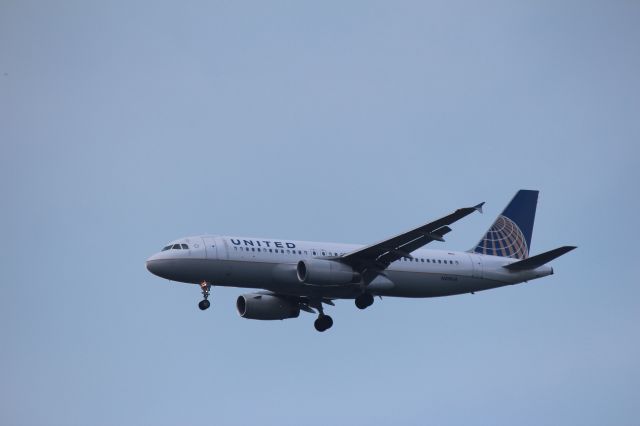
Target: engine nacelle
325,272
266,307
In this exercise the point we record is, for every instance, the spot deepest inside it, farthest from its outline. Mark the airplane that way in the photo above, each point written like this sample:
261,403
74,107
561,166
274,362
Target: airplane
299,276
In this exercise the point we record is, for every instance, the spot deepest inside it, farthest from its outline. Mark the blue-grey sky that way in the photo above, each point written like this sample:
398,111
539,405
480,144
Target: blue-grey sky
124,125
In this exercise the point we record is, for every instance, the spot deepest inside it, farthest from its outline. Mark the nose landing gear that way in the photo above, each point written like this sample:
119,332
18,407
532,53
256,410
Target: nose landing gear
206,289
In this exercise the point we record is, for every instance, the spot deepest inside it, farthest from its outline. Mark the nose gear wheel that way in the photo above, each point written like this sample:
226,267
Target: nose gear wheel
206,290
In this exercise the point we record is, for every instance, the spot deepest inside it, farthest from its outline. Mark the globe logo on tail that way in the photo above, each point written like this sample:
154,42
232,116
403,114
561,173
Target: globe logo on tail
505,239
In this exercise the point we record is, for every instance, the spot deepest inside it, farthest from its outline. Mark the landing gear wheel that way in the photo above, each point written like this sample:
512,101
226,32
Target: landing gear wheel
206,288
364,300
328,322
323,323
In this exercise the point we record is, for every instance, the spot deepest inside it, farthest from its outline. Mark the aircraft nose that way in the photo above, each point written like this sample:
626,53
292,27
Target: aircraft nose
154,265
151,267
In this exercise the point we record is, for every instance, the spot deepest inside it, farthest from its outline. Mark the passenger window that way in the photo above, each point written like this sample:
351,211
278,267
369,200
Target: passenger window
253,249
314,253
258,248
305,252
422,260
439,261
270,250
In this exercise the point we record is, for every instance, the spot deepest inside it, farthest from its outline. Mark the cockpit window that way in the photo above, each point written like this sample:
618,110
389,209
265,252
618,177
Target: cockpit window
176,247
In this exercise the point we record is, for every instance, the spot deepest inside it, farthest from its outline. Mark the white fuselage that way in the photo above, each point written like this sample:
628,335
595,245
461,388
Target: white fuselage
270,264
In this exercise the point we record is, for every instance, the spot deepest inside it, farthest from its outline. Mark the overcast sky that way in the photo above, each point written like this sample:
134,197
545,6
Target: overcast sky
124,125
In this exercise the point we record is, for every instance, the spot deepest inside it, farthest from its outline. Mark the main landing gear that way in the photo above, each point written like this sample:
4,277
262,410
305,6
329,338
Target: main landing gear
323,322
206,289
364,300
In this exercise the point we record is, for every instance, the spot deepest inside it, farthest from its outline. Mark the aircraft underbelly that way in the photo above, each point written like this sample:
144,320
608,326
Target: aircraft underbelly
419,284
280,278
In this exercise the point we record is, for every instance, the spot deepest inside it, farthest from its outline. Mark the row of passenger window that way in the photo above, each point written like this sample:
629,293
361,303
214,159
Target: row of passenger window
289,251
325,253
176,247
415,259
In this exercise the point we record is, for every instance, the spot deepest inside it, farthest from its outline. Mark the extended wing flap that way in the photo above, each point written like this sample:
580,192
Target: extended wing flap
539,259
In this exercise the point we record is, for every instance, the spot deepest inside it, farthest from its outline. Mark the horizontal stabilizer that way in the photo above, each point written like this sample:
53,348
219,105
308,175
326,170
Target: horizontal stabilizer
538,260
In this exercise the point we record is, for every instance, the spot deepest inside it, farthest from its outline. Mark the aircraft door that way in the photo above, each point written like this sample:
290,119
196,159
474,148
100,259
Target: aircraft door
218,250
476,266
211,246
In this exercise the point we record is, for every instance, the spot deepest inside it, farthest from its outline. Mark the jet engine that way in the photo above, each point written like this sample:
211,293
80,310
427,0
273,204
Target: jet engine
266,307
325,272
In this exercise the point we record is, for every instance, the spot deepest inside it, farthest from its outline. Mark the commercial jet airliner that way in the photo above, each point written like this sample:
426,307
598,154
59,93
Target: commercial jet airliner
301,275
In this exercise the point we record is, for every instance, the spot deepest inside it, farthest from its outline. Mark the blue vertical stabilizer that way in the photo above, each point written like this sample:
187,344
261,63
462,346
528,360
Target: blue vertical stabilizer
510,234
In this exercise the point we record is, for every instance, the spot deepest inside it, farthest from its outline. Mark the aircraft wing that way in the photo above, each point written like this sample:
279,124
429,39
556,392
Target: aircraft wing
373,259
